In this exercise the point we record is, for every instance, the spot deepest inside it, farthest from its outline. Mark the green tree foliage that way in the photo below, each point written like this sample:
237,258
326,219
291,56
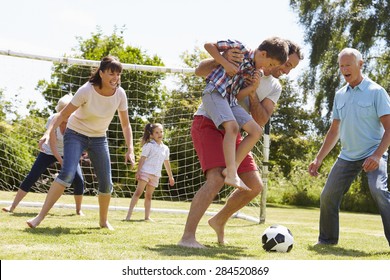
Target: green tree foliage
332,25
66,78
18,148
2,106
16,154
290,124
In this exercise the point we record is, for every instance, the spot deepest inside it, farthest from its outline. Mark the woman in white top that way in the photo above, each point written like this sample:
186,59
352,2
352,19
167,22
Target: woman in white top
47,156
91,111
154,154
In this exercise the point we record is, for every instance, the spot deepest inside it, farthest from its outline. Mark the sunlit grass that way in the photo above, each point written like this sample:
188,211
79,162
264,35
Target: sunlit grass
64,235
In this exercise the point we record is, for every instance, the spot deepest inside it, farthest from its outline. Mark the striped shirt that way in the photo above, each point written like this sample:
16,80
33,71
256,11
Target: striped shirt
226,85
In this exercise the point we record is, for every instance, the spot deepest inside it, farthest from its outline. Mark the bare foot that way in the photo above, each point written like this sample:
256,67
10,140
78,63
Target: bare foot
7,209
190,244
128,216
127,219
33,223
234,181
30,224
149,220
107,226
219,230
224,172
80,213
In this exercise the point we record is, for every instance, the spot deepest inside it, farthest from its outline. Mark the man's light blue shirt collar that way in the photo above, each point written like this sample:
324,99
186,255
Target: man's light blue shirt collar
362,86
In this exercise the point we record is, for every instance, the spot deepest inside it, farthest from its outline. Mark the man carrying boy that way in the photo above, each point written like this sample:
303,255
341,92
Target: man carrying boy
224,84
262,103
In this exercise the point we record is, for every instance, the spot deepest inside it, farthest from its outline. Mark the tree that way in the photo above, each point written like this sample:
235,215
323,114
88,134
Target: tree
290,125
332,25
18,143
2,106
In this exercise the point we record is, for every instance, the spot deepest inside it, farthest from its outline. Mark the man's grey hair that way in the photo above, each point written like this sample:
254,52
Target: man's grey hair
351,51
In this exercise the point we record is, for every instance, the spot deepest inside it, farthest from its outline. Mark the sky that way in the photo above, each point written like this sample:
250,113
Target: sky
166,28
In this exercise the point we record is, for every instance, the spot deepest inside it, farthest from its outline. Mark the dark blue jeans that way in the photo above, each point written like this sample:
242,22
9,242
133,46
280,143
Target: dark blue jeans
42,162
97,148
338,183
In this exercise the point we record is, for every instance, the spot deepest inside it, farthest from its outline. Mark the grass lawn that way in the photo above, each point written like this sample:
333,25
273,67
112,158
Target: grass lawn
66,236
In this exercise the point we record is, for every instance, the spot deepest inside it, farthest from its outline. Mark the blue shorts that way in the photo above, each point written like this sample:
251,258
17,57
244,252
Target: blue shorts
219,110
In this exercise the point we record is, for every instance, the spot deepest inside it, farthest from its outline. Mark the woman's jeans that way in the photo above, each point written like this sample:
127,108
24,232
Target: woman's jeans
42,162
97,148
338,183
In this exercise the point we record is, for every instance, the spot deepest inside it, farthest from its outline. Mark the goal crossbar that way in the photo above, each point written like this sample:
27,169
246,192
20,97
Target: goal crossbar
95,63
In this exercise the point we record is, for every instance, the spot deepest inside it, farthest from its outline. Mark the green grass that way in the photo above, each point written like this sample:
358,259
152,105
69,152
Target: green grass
64,235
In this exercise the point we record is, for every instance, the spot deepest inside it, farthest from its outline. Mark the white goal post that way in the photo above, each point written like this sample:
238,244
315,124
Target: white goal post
155,94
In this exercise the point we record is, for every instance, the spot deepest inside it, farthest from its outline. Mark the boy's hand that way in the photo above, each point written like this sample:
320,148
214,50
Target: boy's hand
254,81
256,77
171,181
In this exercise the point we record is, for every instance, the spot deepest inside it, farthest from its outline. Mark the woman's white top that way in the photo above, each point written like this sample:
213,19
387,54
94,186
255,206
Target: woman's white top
95,111
60,140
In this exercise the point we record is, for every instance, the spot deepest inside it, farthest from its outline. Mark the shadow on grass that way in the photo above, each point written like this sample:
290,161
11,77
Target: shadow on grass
23,214
212,252
57,231
134,221
29,214
339,251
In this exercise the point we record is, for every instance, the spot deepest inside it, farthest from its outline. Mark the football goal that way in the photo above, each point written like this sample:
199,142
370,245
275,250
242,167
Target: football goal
155,94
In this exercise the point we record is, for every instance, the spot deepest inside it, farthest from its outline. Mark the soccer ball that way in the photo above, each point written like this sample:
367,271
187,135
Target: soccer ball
277,238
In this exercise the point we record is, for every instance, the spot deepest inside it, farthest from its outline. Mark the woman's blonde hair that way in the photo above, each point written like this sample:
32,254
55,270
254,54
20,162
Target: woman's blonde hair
65,100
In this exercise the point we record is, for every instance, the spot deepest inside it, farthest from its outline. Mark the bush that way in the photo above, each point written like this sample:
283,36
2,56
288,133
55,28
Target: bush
15,157
299,189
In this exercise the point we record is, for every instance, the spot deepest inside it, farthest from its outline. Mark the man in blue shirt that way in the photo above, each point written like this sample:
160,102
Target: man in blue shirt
361,120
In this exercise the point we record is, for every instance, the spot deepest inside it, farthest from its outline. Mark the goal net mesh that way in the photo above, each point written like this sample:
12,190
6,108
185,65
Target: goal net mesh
155,94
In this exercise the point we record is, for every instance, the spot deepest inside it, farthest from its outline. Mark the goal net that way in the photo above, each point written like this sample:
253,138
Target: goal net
155,94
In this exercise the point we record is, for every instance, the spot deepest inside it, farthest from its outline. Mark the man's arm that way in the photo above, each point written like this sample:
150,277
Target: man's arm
260,111
372,162
331,138
205,67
